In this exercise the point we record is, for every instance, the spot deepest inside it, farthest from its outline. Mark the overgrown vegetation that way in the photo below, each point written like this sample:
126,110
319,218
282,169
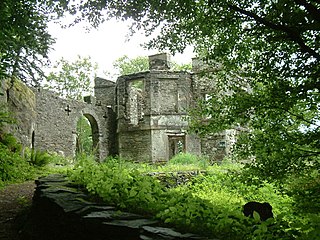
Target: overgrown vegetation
84,137
17,165
211,203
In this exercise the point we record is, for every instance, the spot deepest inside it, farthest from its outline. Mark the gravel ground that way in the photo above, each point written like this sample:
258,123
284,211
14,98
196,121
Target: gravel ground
15,200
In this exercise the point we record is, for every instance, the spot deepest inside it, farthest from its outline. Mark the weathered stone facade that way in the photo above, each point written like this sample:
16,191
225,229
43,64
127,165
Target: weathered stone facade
46,122
141,117
151,109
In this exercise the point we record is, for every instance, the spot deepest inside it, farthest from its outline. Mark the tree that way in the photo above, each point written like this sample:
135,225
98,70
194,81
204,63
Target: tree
24,39
72,80
125,65
269,53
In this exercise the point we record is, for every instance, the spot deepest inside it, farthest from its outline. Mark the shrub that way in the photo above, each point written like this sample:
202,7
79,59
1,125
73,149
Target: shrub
12,166
39,158
10,142
211,204
305,189
59,160
117,184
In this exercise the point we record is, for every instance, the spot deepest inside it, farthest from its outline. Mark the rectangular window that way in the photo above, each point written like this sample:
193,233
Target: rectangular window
177,144
136,101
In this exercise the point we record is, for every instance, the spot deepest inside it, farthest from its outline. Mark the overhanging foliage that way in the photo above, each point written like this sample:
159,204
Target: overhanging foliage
273,45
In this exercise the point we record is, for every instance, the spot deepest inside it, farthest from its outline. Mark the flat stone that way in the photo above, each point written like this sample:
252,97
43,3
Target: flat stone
67,201
93,208
135,224
161,233
103,216
52,178
63,190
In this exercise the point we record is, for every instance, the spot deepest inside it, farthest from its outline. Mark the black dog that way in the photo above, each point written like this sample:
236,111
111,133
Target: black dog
264,210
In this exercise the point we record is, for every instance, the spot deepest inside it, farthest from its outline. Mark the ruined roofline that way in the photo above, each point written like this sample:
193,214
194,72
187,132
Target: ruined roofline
134,75
162,62
99,82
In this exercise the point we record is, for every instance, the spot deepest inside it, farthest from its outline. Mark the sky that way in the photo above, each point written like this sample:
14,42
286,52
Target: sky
104,45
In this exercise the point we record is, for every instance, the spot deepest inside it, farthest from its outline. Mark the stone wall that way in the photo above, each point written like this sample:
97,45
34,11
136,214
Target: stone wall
48,122
57,121
20,101
104,92
142,116
218,146
151,112
135,145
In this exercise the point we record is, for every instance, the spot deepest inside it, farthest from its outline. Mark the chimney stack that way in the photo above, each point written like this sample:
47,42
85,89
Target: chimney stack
159,61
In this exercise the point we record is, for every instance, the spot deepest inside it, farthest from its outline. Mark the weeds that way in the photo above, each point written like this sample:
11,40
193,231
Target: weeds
210,204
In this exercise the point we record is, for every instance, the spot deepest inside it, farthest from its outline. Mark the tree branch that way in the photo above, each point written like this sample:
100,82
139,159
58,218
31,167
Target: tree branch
292,33
314,11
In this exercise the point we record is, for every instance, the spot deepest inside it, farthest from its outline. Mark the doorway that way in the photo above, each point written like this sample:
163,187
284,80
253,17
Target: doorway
177,144
87,141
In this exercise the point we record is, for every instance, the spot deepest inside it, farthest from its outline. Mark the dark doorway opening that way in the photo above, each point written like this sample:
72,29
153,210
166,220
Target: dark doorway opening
87,141
177,144
32,140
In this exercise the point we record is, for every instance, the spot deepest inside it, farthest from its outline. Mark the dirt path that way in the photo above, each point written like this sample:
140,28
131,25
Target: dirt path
14,199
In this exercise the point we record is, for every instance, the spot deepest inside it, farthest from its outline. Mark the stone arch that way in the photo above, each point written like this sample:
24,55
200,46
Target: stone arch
95,131
95,128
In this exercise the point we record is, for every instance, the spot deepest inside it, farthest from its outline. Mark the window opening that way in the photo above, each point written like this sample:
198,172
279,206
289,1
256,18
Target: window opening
136,101
32,140
176,145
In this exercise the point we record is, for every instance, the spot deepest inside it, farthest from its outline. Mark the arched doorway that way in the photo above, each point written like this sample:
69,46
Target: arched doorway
87,141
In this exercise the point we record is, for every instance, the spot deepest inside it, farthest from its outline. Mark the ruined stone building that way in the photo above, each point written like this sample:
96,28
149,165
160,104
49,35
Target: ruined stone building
141,116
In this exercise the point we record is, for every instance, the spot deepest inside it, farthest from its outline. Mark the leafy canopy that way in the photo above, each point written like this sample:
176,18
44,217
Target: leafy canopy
24,39
269,53
72,80
125,65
